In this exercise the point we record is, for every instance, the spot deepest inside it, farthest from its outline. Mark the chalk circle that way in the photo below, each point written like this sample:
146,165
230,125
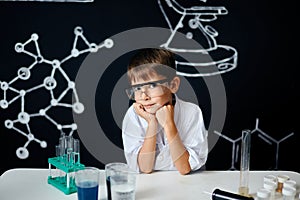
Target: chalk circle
54,102
189,35
78,30
109,43
42,112
78,107
34,36
50,83
9,124
19,47
22,92
59,127
39,59
56,63
23,117
22,153
71,85
74,127
75,52
4,85
3,104
93,47
43,144
30,137
24,73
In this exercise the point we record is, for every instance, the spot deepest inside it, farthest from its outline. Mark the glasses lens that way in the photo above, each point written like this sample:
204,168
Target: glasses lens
130,93
152,89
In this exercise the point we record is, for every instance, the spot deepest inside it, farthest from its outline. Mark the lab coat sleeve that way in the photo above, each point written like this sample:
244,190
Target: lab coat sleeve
195,139
133,138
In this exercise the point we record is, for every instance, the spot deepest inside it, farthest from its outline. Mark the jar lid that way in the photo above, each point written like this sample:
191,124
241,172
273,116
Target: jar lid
290,183
270,177
263,193
270,185
289,191
282,178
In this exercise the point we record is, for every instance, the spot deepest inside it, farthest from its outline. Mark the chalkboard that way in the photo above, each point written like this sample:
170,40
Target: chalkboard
261,93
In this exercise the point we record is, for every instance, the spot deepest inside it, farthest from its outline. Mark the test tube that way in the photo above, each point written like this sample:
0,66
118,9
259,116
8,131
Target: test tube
57,151
62,145
70,148
245,163
58,155
76,151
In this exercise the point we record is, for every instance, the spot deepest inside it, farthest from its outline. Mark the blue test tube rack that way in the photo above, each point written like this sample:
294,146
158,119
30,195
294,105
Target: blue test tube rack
65,164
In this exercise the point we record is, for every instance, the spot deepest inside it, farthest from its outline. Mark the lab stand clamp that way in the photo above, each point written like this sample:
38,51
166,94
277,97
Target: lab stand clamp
66,163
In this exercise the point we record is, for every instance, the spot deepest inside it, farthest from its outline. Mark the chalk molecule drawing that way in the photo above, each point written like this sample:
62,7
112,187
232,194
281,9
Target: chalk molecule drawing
49,84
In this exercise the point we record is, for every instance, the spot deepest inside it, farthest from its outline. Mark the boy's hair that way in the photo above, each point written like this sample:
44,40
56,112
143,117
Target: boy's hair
150,62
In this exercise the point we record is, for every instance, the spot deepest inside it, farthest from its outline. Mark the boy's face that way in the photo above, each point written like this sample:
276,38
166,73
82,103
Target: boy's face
154,95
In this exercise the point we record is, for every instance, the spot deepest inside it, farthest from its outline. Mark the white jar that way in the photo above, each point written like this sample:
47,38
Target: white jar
288,193
290,183
263,194
271,186
271,178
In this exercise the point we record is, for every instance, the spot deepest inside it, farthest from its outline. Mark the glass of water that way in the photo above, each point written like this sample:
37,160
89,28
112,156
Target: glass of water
110,170
123,184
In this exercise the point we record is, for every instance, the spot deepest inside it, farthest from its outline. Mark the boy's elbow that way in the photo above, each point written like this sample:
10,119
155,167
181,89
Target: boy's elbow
185,171
146,171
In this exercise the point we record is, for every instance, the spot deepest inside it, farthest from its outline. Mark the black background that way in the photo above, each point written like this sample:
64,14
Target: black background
263,85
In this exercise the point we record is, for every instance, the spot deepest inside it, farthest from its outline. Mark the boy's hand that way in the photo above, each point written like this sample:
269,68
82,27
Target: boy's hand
139,109
165,115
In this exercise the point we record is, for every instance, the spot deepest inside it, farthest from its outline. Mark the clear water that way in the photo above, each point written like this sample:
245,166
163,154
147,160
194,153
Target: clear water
123,192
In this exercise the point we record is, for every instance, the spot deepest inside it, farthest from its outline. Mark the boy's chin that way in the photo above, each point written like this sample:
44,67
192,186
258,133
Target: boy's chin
153,109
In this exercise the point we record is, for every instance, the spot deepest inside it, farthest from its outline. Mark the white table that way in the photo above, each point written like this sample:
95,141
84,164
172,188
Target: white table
31,184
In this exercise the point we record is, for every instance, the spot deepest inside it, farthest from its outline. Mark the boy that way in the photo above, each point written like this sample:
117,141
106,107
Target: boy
160,131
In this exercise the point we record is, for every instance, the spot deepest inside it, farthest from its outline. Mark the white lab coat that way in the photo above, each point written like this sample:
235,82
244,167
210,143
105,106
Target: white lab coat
190,125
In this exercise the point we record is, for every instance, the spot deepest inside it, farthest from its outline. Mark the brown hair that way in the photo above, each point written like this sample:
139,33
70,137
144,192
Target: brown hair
149,62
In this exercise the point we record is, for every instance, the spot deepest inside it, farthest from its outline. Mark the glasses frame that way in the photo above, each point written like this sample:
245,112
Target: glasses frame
130,91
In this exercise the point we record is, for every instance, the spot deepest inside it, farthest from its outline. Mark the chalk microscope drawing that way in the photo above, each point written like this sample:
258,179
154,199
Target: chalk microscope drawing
262,135
49,83
191,21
